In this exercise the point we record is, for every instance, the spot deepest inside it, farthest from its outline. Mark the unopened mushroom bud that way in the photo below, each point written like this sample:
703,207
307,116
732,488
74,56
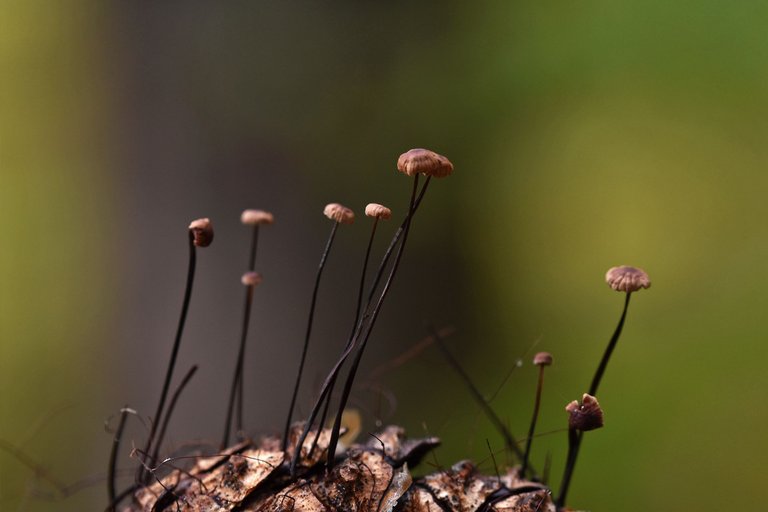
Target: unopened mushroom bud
627,279
202,232
256,217
425,162
585,416
378,211
542,359
339,213
251,279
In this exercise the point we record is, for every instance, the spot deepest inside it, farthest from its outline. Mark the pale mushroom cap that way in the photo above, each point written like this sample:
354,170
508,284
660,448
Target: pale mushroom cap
339,213
424,161
585,416
251,279
378,210
542,359
627,279
202,232
256,217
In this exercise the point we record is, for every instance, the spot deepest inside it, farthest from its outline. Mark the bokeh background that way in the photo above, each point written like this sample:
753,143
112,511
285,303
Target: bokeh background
584,135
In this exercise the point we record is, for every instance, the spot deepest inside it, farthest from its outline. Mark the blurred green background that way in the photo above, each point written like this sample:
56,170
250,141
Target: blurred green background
584,135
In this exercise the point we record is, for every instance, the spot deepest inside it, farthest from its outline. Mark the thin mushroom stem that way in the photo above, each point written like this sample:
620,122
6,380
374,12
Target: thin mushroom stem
111,492
241,359
333,374
324,415
609,350
142,474
335,431
236,389
308,333
171,407
532,428
574,442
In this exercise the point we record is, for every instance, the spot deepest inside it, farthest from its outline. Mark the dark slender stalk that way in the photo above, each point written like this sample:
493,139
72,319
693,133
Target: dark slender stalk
350,345
609,350
532,428
142,474
392,245
171,407
120,497
335,432
574,441
238,377
352,333
241,362
324,257
509,441
111,492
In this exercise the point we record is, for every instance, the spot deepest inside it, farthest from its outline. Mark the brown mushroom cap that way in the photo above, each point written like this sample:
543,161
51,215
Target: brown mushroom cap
425,162
256,217
542,359
339,213
202,232
585,416
627,279
251,279
378,211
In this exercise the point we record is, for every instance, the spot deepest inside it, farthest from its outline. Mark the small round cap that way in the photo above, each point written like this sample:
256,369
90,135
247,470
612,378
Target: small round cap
542,359
378,210
256,217
339,213
424,161
251,279
585,416
627,279
202,232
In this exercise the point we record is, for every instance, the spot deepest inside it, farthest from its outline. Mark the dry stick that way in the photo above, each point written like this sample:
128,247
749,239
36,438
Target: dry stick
236,390
142,474
509,441
324,415
171,407
574,439
111,493
350,344
335,432
308,333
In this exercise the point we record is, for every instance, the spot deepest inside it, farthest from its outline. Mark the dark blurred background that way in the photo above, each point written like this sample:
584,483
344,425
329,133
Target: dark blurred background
584,135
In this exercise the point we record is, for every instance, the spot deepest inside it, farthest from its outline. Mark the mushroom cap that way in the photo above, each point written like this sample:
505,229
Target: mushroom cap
202,232
251,279
339,213
585,416
378,211
627,279
256,217
424,161
542,359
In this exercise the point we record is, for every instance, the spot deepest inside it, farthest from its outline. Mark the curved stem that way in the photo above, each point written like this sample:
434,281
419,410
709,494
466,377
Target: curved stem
324,257
331,378
531,430
171,407
324,415
111,492
142,474
609,350
574,441
235,390
335,432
